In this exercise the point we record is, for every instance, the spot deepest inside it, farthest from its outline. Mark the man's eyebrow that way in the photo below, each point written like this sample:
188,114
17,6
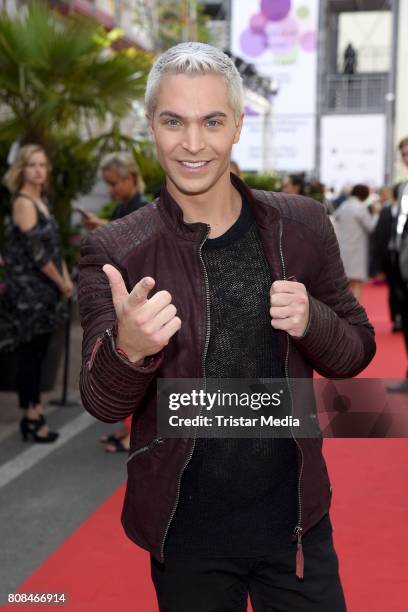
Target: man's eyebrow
177,116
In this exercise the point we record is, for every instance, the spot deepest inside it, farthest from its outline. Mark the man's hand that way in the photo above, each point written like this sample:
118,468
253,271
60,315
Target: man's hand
145,326
289,307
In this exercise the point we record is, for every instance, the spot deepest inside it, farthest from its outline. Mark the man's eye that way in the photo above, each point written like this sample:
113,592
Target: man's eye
172,122
213,123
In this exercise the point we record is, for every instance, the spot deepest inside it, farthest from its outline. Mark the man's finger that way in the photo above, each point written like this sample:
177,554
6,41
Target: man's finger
283,324
281,299
117,285
281,312
141,290
162,318
168,330
283,286
157,302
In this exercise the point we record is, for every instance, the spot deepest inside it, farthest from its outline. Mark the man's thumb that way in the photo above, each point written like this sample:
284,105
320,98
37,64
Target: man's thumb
117,284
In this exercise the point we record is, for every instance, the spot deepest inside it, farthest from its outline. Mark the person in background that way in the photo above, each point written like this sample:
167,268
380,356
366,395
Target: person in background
384,250
354,224
386,197
126,186
342,196
293,184
37,282
350,60
400,242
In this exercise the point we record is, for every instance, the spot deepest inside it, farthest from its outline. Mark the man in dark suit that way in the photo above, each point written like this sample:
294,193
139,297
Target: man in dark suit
385,255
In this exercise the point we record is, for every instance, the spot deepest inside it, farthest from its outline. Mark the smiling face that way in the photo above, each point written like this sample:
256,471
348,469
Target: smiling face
194,128
36,169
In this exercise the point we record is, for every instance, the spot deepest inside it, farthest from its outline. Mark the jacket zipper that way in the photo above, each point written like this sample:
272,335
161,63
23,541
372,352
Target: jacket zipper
143,449
207,340
298,529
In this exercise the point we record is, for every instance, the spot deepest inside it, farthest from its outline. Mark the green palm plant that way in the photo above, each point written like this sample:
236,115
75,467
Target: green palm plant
59,73
64,86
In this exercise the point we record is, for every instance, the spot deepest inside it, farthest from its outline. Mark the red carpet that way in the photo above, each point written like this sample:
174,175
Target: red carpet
102,571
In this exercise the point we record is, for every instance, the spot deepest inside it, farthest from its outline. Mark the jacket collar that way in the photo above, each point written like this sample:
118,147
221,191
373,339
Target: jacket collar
172,214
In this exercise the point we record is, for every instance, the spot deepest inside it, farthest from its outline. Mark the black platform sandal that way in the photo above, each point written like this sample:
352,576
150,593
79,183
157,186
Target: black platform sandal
117,446
111,438
29,430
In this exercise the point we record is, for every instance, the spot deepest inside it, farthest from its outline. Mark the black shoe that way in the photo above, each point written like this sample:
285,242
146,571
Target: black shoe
396,328
401,387
29,430
397,324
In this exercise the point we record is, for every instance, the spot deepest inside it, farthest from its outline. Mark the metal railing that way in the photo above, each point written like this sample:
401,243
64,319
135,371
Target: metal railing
355,93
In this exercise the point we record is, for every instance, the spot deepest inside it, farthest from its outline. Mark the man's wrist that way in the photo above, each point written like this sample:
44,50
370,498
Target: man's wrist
134,359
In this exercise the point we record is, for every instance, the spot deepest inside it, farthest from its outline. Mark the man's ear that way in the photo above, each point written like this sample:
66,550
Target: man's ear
238,128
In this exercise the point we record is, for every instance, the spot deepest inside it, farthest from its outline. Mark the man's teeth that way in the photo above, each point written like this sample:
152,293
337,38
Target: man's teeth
194,164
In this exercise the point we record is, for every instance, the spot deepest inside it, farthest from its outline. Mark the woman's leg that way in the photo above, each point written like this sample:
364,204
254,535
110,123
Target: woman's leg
25,378
122,441
41,346
28,381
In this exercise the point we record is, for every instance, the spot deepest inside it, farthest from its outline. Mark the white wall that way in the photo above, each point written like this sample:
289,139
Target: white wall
352,150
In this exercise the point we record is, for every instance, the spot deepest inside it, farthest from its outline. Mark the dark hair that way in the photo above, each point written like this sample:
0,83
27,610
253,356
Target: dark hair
297,181
361,192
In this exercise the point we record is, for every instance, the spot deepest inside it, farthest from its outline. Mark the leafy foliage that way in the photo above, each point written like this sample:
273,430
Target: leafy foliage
57,74
60,83
268,182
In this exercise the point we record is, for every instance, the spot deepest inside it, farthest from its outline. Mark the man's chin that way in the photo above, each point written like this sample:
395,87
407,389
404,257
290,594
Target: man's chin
193,186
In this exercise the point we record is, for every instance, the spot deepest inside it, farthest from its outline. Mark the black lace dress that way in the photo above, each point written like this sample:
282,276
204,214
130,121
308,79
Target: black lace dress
31,304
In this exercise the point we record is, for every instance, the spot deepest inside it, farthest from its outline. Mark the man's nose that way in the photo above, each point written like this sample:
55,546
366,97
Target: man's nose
193,139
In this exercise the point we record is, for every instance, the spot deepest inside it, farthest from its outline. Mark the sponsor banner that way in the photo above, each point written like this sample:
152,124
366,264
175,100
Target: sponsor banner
279,37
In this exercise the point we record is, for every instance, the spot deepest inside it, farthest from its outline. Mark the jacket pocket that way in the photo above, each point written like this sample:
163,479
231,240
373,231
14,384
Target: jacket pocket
145,449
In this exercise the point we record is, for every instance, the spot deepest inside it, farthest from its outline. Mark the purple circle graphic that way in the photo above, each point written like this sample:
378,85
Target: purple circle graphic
282,35
308,41
258,22
275,10
252,43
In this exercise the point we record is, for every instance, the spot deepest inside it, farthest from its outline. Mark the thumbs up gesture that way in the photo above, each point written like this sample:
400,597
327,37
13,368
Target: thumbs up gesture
289,307
145,325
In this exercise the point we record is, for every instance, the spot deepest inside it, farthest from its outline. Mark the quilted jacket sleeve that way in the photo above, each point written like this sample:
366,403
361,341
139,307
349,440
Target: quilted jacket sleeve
111,387
339,340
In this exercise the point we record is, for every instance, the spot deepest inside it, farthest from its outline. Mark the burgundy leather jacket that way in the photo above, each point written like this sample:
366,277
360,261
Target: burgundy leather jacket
298,241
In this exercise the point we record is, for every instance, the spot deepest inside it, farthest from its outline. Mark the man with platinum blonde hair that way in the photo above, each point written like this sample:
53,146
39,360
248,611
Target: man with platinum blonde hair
216,280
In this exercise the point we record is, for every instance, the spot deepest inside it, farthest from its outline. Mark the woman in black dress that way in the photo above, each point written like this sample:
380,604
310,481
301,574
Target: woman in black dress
37,283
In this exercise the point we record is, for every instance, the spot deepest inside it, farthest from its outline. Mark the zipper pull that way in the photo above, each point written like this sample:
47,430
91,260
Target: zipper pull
95,349
300,562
